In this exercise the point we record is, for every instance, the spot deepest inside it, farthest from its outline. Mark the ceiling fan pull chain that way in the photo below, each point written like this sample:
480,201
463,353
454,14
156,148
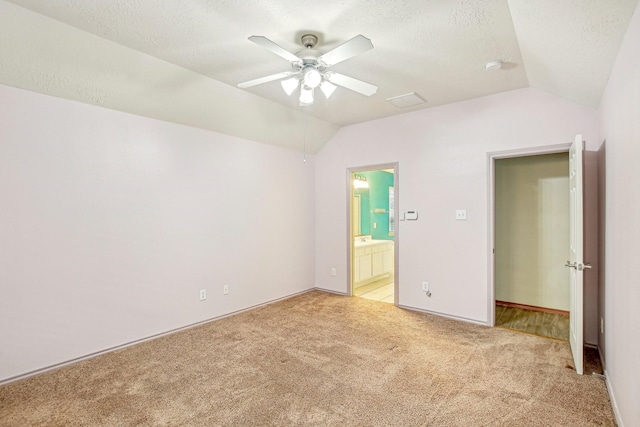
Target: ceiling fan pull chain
304,139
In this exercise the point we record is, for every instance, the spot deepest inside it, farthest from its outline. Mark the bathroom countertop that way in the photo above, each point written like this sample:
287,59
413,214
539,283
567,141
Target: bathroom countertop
372,242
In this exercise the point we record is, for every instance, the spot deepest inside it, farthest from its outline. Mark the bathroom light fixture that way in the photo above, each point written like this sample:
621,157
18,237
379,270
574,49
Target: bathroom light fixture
360,182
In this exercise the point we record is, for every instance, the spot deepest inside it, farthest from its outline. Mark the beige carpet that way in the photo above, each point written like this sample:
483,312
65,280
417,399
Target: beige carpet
319,359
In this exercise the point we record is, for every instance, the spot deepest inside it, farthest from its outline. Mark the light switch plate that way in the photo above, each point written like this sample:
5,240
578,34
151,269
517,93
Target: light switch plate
461,214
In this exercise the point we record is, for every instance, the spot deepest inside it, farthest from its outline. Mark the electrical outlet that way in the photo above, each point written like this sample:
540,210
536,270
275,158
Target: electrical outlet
225,289
425,289
333,272
461,214
203,294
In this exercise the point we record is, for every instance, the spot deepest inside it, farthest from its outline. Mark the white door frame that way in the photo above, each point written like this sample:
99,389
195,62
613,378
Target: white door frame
491,158
396,233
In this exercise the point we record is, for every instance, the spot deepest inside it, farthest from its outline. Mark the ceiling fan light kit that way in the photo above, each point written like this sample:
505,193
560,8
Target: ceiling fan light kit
306,96
289,85
310,68
312,77
327,88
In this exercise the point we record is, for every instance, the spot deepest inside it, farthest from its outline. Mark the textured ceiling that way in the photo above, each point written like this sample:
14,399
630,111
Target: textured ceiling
181,60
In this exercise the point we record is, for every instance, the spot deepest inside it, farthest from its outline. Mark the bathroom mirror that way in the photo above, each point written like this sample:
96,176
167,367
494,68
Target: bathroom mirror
361,214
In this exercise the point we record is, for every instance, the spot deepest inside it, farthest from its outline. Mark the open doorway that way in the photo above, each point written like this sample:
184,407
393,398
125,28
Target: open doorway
372,235
531,229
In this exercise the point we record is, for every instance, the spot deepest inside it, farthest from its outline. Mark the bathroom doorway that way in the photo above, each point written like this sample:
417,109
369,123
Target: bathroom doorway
373,234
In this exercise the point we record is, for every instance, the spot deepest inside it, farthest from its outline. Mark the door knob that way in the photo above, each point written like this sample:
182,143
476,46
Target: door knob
577,265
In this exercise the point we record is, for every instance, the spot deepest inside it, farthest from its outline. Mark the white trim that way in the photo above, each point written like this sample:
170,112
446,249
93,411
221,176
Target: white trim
331,291
607,382
141,340
439,314
491,158
612,398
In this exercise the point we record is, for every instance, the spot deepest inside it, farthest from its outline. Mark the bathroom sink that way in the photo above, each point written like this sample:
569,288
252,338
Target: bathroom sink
372,242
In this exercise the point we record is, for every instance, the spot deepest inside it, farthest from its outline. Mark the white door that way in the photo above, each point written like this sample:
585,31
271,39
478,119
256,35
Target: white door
576,262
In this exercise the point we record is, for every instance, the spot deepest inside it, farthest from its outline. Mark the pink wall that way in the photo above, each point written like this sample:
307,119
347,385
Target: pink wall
111,223
442,155
620,135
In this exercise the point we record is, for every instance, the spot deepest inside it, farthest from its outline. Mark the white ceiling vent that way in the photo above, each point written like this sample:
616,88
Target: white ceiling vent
406,100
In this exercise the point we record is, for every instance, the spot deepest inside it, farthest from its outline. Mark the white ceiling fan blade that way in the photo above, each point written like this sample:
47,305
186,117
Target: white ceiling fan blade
266,79
351,83
274,48
346,50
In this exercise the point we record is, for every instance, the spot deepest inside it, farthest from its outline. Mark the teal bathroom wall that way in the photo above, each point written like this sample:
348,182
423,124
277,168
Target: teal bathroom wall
376,214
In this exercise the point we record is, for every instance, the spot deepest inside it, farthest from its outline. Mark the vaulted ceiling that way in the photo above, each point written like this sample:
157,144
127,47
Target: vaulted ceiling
181,60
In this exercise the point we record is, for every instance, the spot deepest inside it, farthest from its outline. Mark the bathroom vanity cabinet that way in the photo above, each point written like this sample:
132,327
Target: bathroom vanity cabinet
373,260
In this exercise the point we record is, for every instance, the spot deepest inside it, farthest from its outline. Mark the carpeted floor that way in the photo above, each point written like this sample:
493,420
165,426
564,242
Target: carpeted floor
319,359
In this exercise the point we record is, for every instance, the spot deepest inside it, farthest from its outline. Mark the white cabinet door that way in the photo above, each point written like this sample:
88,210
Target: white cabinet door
377,265
365,267
387,260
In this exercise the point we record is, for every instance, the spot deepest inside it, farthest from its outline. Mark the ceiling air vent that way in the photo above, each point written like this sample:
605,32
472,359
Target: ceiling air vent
406,100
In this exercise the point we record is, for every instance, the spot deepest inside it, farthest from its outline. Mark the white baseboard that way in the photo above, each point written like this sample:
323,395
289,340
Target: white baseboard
448,316
612,398
344,294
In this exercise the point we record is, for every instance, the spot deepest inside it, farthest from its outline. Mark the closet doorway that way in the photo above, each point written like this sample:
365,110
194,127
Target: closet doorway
531,226
372,232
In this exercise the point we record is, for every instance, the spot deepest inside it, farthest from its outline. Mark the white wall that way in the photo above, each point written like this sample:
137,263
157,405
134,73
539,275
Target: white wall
110,224
620,134
442,155
532,230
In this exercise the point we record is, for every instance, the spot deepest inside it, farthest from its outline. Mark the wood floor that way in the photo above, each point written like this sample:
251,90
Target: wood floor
550,325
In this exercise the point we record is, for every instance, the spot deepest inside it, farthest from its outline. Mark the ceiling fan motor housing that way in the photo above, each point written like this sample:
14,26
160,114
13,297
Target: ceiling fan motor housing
309,41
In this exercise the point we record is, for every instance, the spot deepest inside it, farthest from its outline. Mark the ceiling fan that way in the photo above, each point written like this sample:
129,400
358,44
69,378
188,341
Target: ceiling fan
310,68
